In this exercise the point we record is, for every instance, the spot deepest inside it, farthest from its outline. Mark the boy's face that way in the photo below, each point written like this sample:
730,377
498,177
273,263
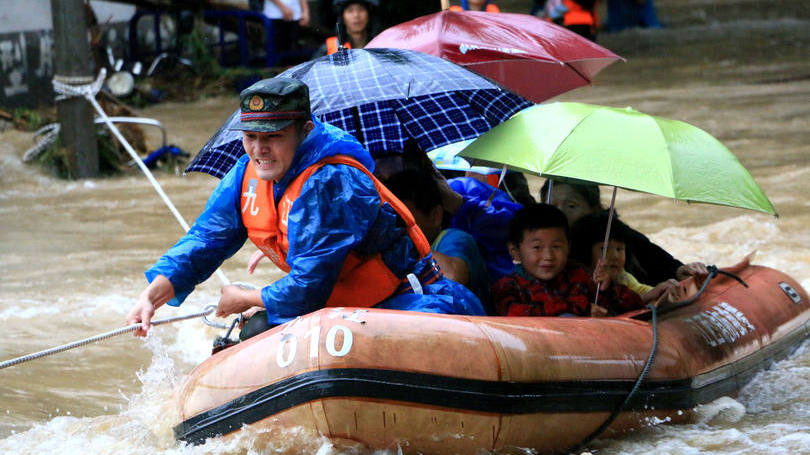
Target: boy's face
542,252
614,258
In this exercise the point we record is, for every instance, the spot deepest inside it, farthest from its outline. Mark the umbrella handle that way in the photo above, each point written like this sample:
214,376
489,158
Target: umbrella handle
607,237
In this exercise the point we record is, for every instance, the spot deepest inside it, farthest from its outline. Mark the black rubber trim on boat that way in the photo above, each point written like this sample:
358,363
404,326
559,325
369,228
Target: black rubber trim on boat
481,396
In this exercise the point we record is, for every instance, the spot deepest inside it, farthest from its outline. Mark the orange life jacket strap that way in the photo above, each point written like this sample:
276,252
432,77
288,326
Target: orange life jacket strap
417,237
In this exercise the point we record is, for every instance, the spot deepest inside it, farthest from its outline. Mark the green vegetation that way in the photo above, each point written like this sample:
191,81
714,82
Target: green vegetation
30,120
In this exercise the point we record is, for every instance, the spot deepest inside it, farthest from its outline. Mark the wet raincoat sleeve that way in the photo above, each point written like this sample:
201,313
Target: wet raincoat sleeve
216,235
333,213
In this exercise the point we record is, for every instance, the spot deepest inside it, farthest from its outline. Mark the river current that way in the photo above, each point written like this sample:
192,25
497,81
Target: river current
72,253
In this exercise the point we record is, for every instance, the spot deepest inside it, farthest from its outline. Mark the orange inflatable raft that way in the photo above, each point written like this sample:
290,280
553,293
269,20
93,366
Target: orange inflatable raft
457,384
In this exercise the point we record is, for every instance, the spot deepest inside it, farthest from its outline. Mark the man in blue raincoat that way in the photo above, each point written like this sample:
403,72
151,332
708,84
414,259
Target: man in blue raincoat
304,194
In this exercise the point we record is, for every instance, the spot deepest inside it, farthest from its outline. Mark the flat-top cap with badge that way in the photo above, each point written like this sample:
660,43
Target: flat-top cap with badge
272,104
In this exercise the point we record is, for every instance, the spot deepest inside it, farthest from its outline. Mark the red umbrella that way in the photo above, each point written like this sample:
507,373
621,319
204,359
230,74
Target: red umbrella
527,55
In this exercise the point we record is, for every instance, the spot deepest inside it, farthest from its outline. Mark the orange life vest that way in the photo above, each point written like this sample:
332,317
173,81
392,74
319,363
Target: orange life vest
491,8
332,45
364,280
577,15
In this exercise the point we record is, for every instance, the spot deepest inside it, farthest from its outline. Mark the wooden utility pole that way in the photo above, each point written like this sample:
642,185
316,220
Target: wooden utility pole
73,61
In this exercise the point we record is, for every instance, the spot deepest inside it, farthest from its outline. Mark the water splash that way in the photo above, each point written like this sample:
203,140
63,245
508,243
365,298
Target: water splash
721,410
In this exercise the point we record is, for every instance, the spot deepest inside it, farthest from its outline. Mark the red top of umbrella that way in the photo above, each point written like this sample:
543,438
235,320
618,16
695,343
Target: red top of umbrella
528,55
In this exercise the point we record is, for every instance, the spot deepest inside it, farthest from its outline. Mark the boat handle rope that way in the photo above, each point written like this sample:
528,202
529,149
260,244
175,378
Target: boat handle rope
654,311
103,336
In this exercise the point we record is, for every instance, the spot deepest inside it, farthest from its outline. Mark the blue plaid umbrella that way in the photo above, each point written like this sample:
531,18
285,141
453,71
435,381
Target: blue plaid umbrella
353,77
385,97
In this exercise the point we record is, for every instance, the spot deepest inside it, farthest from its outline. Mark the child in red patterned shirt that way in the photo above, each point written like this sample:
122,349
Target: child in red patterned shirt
545,283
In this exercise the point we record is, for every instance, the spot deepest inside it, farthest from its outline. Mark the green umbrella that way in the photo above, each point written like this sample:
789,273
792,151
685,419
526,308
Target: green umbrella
620,147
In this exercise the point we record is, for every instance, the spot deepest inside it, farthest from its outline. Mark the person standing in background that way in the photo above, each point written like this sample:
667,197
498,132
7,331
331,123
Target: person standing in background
287,17
355,17
579,16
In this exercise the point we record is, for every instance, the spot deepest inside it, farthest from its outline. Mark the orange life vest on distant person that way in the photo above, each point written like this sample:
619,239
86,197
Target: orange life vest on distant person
332,45
491,8
364,281
577,15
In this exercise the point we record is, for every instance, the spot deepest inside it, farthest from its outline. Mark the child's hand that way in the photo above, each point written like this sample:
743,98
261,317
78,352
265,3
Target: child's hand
669,291
675,293
695,269
659,290
601,274
254,261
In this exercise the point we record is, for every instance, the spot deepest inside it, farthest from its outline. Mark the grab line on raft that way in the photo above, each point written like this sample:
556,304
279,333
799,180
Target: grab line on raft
103,336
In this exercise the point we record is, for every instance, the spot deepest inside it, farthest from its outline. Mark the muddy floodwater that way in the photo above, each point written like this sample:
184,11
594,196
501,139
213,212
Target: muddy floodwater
72,253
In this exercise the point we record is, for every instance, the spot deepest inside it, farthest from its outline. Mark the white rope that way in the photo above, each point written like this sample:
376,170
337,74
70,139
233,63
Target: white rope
103,336
50,132
89,92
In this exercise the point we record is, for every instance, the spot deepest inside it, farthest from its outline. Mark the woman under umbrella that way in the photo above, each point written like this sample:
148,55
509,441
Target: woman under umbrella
355,20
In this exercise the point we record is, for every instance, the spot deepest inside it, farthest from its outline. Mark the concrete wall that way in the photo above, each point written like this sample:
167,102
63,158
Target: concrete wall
26,47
